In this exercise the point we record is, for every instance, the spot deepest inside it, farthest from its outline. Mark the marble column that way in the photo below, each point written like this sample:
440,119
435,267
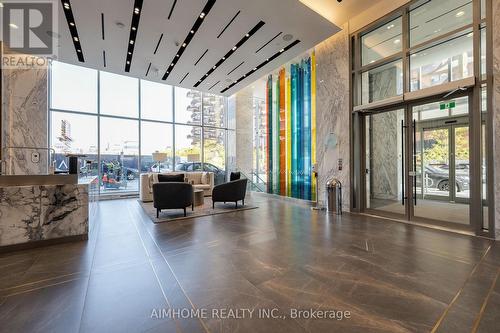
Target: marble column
496,108
24,113
244,130
332,113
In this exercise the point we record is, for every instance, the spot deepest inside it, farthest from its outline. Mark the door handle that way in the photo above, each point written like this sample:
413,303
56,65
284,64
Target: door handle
415,161
402,162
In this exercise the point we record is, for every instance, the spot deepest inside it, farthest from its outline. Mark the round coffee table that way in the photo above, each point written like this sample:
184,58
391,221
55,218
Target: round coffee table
198,197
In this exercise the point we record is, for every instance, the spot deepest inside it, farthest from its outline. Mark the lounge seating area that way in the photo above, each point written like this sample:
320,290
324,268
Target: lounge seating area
199,180
176,190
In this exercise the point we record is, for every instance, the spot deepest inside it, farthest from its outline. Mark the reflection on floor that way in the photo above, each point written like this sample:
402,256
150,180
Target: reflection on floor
391,277
429,209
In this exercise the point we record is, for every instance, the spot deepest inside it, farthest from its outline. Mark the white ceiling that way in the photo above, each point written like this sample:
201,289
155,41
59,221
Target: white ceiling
286,16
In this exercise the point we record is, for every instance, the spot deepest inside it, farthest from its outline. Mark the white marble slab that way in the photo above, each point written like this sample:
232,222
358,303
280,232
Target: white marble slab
42,212
332,112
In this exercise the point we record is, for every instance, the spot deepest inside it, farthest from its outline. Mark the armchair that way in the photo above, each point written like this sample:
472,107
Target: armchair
231,191
172,195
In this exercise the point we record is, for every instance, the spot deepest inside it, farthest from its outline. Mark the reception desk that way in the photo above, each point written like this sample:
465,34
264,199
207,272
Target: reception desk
37,210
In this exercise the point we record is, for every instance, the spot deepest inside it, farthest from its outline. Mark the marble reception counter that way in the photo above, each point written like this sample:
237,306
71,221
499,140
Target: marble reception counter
50,208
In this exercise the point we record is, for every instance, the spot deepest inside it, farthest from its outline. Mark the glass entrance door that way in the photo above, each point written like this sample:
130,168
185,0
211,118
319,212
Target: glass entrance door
441,161
385,162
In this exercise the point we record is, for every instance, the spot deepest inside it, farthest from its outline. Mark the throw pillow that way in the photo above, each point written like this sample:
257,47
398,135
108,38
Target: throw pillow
234,176
204,178
171,178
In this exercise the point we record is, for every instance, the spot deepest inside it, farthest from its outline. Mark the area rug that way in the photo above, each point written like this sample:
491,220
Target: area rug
169,215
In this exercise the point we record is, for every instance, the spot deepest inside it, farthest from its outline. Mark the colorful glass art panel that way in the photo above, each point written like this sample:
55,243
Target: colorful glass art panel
291,130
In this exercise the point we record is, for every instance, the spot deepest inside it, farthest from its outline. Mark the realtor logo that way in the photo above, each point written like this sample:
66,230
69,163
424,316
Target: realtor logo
28,32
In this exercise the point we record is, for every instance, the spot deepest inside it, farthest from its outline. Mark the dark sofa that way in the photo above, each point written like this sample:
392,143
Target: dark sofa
172,195
230,192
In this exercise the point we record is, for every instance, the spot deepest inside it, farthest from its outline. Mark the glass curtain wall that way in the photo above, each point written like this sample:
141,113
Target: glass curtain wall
118,122
422,47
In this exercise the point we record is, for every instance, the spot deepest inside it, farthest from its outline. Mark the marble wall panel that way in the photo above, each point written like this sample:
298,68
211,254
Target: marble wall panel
25,120
332,112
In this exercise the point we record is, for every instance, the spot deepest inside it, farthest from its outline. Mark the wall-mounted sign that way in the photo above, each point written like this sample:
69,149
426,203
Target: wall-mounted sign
447,105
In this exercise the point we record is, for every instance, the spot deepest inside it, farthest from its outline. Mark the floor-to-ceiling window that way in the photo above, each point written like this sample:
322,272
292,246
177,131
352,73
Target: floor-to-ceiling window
419,92
117,122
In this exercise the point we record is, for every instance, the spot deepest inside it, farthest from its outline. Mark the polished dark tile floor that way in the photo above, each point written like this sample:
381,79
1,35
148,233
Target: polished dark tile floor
390,277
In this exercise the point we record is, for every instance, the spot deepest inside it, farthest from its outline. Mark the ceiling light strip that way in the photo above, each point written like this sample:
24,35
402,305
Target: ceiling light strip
227,25
102,26
235,68
72,29
147,71
231,51
158,44
214,85
189,37
171,10
134,27
263,46
104,58
184,77
197,61
268,60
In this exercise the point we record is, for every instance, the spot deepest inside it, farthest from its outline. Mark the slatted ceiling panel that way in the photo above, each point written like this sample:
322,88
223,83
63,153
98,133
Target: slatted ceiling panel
156,23
305,25
206,37
183,18
261,37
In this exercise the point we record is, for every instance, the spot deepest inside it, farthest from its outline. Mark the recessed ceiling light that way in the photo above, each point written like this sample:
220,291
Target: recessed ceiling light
214,67
460,13
267,59
130,53
177,56
12,25
192,31
168,72
397,41
136,10
247,35
183,44
72,24
131,42
234,48
134,28
223,58
128,62
390,26
202,15
66,5
255,69
76,39
282,50
171,64
79,51
371,62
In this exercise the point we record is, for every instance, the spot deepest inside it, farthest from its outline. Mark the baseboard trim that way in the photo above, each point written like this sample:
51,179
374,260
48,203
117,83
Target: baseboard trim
42,243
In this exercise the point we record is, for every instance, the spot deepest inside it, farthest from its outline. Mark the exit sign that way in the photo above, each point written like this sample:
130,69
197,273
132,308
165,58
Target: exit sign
448,105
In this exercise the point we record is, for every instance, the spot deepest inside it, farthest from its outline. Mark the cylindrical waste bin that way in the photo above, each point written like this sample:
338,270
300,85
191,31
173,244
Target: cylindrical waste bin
334,196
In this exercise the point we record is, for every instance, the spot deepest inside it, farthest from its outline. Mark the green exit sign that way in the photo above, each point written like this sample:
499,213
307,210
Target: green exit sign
448,105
